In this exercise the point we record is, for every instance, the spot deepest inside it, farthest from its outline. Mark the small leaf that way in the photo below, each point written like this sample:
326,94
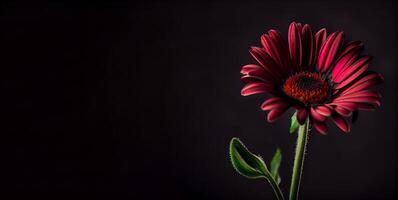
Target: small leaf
246,163
275,164
278,179
294,123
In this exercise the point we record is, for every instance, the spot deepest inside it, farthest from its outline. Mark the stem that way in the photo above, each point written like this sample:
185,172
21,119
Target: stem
299,160
277,189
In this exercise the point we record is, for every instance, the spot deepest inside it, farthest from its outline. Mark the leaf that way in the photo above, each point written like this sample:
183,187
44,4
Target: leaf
246,163
278,179
294,123
275,164
252,166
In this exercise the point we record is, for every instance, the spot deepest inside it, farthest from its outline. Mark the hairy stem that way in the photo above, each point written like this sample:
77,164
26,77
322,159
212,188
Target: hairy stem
299,160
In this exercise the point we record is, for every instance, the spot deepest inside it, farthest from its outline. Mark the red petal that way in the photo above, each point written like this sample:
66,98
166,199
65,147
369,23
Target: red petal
323,110
320,38
320,127
255,88
342,111
276,47
341,123
369,100
274,103
353,106
352,46
295,45
302,115
316,115
259,54
275,114
247,68
266,62
329,50
308,47
363,93
283,50
346,60
347,105
364,83
253,79
365,106
352,72
259,72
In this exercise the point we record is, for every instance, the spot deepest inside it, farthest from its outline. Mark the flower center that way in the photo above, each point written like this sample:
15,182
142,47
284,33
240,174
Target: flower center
307,87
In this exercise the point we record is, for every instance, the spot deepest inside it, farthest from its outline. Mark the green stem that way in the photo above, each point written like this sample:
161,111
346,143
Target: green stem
277,189
299,160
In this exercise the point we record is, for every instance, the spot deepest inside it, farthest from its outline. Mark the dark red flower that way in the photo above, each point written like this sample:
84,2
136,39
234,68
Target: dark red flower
318,75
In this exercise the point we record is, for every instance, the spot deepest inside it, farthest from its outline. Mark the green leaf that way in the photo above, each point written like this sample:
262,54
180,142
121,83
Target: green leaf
278,179
275,164
252,166
246,163
294,123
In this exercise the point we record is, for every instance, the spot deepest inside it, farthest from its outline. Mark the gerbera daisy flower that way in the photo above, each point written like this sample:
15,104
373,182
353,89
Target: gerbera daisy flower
319,75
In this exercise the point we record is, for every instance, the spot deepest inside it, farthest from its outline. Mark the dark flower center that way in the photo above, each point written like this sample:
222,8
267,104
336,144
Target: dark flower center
307,87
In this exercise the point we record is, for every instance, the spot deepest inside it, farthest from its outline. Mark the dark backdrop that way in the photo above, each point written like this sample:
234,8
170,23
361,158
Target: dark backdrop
140,100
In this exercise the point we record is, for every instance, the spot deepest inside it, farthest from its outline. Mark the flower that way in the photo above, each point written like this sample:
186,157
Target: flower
319,75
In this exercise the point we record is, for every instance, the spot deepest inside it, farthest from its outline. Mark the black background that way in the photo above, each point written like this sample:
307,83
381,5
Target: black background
140,100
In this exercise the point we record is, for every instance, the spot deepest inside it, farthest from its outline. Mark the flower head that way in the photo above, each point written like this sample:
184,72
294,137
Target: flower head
317,74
